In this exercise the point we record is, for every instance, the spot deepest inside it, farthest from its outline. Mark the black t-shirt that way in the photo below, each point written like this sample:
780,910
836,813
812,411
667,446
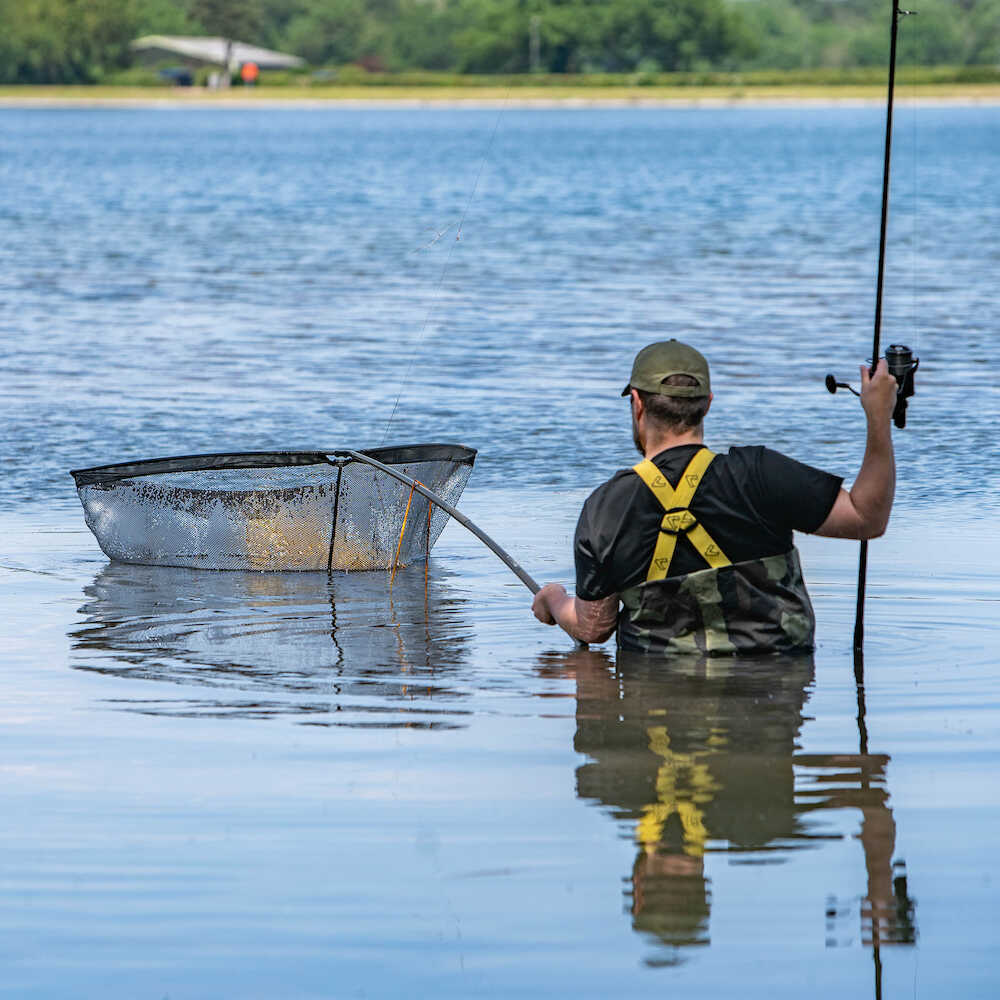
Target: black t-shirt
749,501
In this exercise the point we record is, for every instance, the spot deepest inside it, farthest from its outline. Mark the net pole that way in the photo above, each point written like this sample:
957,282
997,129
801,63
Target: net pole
333,526
512,564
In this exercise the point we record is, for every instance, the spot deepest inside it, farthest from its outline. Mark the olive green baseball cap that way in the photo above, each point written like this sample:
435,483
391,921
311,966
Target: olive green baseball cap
659,361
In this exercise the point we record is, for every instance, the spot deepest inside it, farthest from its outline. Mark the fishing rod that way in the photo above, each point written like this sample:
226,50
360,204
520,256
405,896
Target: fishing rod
899,358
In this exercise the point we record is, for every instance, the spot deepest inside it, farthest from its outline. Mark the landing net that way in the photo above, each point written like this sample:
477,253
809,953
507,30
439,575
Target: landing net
291,510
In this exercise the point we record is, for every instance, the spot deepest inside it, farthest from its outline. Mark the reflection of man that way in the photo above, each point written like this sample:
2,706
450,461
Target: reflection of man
699,757
697,548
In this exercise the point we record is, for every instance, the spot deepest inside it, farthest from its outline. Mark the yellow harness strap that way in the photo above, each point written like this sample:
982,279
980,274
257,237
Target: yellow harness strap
678,518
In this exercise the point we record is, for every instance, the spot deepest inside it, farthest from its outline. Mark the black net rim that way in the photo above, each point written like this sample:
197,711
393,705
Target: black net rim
391,455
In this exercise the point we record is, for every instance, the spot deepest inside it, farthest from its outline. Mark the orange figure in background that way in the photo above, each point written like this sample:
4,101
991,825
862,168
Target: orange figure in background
249,72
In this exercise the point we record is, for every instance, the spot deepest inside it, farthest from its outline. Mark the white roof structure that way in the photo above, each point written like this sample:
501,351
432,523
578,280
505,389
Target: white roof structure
211,52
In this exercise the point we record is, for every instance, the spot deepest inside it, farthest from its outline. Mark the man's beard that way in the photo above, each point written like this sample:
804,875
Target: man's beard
636,440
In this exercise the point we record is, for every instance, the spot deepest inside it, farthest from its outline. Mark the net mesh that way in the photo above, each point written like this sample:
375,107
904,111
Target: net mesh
223,512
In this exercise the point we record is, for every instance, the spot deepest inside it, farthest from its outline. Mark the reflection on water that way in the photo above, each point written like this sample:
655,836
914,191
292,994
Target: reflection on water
699,763
697,757
340,650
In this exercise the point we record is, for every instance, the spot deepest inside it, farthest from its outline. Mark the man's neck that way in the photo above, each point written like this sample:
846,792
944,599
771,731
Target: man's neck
661,442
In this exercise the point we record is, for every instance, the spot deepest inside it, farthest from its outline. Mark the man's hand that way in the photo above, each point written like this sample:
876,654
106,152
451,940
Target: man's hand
541,606
878,392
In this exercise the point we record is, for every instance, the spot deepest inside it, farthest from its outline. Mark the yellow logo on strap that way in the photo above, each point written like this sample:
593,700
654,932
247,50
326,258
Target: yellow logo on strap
677,518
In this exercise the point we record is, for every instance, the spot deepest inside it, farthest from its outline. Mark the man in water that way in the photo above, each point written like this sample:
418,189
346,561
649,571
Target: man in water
693,552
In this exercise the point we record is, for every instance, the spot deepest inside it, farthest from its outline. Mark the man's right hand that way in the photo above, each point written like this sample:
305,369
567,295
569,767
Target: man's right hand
550,596
878,392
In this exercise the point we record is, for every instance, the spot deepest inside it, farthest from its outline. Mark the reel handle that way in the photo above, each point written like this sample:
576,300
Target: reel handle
833,385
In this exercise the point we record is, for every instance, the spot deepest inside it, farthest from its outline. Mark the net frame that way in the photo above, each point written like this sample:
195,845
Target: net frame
340,513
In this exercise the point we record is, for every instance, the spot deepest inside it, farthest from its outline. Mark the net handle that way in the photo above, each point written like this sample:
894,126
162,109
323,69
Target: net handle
512,564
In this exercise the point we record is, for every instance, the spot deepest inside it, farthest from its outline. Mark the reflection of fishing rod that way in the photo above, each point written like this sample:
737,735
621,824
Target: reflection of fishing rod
512,564
899,358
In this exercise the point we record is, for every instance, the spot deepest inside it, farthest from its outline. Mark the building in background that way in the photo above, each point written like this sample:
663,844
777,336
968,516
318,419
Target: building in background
221,54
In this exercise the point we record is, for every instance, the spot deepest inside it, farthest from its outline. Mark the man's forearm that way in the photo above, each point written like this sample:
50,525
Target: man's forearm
875,485
563,608
585,621
864,512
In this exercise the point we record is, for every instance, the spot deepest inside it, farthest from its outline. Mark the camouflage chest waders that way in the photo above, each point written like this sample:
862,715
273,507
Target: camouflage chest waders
757,606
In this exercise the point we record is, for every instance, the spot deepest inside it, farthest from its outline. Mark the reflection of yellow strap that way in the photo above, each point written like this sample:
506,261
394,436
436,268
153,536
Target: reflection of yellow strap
677,517
684,785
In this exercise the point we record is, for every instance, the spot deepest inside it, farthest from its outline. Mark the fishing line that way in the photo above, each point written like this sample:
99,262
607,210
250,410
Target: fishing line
437,239
444,269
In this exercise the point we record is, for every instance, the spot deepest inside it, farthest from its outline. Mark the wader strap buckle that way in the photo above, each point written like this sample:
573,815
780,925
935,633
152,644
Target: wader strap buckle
676,520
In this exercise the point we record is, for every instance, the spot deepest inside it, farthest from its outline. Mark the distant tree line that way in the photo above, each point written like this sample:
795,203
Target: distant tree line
77,41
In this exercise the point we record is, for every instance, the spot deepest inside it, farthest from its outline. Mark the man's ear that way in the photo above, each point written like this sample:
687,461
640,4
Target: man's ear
710,398
637,408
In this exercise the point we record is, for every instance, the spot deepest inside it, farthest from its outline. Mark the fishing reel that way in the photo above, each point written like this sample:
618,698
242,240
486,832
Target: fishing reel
902,366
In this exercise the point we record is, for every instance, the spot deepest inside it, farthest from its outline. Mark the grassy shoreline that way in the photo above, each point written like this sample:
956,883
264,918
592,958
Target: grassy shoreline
519,95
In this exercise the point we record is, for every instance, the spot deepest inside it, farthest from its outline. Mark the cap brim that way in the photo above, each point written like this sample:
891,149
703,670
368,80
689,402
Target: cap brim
627,389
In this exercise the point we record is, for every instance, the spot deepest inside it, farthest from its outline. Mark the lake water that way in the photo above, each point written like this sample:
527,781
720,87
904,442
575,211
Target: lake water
287,785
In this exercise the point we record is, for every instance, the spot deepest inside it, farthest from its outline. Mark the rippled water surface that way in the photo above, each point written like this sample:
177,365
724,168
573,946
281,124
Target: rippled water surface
289,785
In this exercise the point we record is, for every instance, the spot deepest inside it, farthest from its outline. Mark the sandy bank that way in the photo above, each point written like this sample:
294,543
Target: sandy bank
369,98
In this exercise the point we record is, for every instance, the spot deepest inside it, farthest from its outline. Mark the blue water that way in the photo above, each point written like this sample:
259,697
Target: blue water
207,281
267,785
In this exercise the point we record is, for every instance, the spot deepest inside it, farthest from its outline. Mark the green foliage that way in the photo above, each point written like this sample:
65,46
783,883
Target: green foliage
162,17
233,19
66,41
63,41
328,31
135,76
863,76
844,33
638,36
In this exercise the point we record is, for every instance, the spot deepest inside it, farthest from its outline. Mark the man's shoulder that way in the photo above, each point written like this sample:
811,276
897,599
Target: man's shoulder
761,456
754,456
622,483
748,452
606,504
